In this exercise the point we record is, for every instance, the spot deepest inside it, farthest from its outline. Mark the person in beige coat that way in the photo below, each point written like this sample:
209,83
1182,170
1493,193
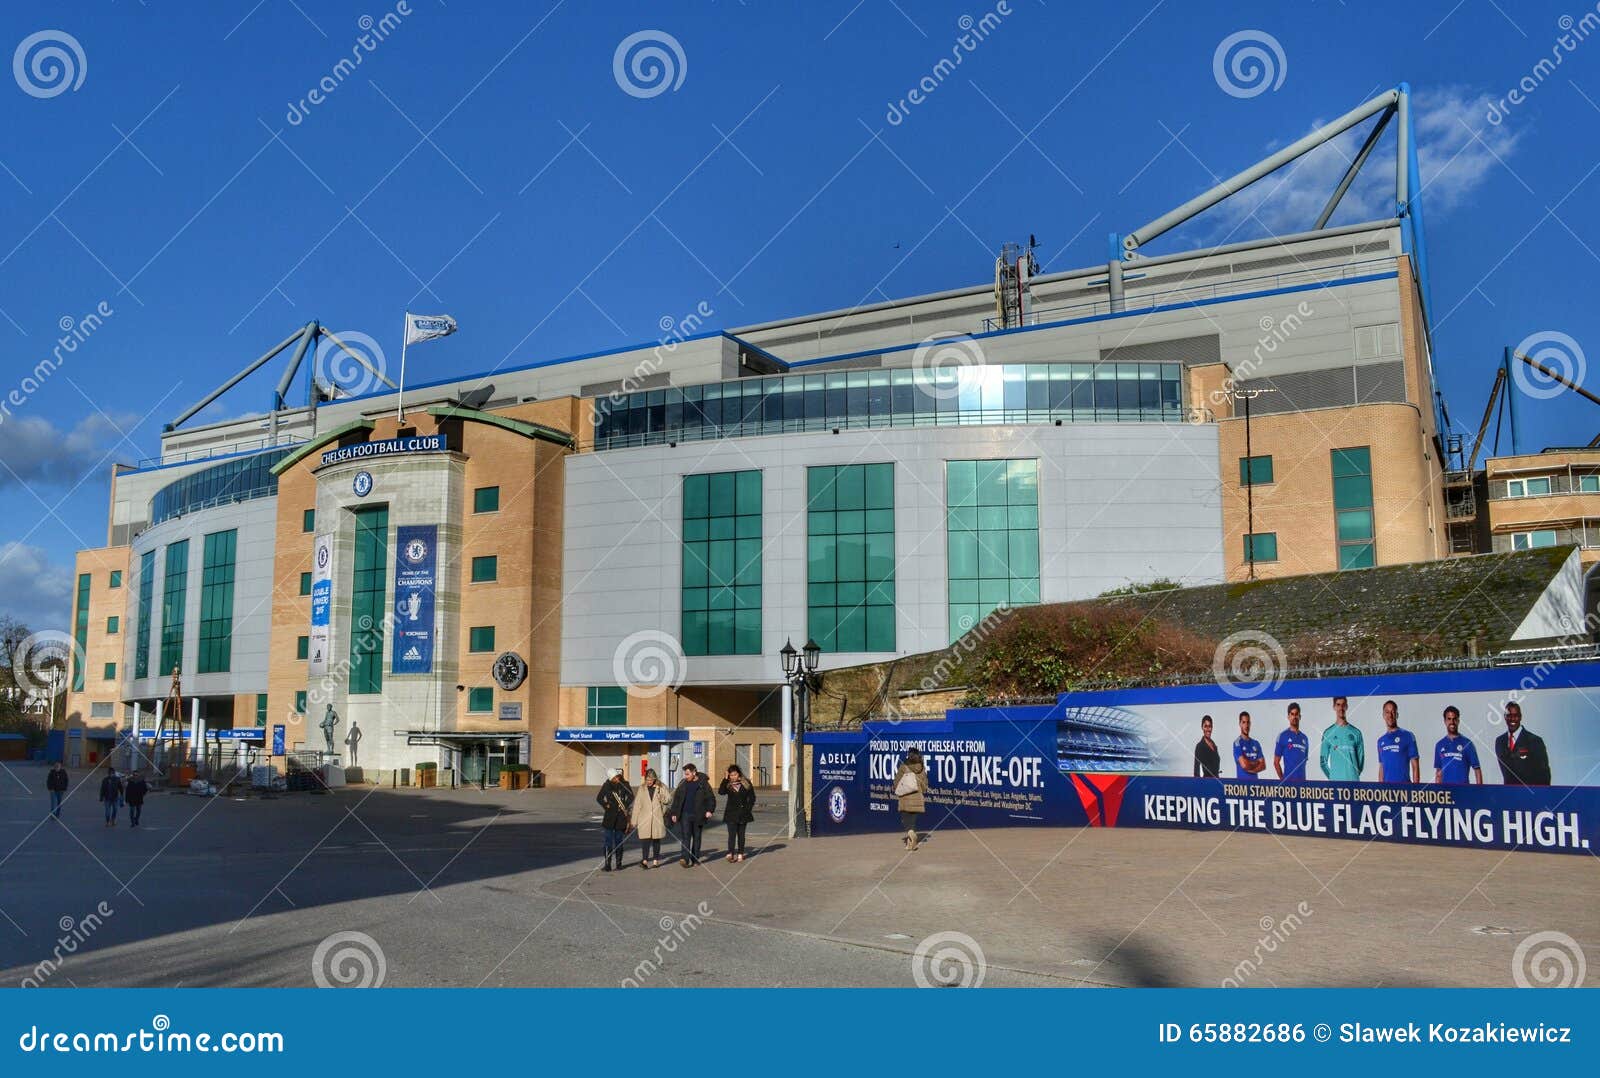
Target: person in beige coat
650,803
910,787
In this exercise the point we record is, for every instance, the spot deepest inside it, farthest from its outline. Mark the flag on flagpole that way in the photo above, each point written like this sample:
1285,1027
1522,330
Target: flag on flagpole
419,328
428,327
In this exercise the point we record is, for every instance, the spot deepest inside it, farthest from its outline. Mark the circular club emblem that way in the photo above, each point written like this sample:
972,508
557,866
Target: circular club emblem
837,806
416,550
363,484
510,671
322,556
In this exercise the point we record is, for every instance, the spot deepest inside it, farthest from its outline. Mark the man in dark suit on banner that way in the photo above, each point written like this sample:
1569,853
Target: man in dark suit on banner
1522,755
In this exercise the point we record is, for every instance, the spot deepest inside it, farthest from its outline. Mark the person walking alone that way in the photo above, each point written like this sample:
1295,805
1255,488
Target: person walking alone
650,817
739,809
910,787
693,804
56,783
134,794
111,795
616,800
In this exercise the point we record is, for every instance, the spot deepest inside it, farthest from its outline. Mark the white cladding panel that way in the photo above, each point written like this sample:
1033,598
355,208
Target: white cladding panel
1118,504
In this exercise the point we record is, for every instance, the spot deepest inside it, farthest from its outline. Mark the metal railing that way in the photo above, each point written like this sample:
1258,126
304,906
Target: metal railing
1191,292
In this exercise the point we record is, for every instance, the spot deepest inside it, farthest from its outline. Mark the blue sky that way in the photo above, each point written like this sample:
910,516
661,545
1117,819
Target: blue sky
484,160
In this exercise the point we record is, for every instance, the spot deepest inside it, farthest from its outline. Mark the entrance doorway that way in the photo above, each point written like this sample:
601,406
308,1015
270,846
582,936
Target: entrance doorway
482,762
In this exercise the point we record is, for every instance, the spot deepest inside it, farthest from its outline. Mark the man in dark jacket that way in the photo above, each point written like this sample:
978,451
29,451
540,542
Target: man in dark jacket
616,799
134,794
111,796
56,783
693,804
1522,755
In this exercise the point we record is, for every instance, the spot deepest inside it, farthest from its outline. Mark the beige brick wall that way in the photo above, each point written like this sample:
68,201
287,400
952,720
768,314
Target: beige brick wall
101,647
1298,504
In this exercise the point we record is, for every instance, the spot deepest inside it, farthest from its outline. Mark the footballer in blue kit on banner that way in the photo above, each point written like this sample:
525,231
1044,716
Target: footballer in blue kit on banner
414,572
1394,759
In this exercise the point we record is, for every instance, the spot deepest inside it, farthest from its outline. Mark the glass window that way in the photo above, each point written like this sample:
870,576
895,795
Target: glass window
216,602
485,569
1352,507
721,579
261,709
1262,546
486,500
1530,540
480,638
1255,471
302,647
111,672
1589,484
369,600
305,583
300,702
308,520
116,576
607,706
113,623
80,630
1540,485
992,538
147,591
481,699
174,593
850,557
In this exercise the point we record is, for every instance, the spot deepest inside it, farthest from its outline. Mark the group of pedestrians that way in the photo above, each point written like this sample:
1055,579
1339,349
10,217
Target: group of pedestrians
1342,755
115,791
653,812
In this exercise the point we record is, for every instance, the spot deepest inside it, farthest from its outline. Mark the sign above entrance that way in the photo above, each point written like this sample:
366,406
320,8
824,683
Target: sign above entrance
417,443
621,733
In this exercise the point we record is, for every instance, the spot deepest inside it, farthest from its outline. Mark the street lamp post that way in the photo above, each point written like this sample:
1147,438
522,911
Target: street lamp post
799,668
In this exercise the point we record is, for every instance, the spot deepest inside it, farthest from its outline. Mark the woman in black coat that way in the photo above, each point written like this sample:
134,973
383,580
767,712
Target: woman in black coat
739,810
616,799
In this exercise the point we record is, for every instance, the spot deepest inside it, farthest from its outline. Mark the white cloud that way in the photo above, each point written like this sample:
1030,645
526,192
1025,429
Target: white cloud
34,451
32,589
1456,152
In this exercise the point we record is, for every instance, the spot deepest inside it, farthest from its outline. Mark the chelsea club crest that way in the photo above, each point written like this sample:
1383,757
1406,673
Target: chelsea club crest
362,484
837,806
416,550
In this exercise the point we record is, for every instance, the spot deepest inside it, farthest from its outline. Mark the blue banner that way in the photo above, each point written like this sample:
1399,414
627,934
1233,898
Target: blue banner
1127,759
415,570
278,740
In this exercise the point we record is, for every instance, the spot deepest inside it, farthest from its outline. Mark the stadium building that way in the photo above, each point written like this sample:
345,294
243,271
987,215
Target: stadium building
594,561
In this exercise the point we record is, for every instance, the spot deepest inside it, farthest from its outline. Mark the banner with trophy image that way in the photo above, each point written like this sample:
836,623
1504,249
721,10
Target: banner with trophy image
415,572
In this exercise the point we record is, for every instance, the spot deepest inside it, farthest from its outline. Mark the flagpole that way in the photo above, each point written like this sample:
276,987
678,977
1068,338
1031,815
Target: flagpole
400,403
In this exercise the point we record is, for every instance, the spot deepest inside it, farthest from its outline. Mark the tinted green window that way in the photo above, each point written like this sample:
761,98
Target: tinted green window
367,600
850,557
992,538
485,569
1352,508
480,638
116,574
147,594
174,594
308,520
305,583
1255,471
481,699
80,630
216,602
302,647
113,625
722,564
1262,546
608,706
261,709
111,671
486,500
300,702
